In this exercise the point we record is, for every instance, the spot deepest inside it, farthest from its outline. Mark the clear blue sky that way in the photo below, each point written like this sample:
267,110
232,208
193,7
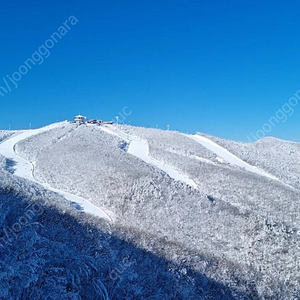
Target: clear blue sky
219,67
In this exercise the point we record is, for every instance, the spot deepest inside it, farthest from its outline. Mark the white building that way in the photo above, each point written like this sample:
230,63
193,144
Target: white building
79,119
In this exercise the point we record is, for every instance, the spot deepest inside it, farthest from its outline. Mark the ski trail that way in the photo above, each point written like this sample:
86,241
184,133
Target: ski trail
25,169
140,149
228,156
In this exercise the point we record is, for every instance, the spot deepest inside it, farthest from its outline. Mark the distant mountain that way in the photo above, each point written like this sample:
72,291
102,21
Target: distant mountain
180,216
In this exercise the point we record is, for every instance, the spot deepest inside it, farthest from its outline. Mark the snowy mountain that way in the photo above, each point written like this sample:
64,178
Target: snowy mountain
126,212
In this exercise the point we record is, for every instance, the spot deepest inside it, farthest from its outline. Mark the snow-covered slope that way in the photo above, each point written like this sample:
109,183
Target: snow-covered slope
50,251
25,168
5,134
238,216
274,156
227,156
140,149
219,173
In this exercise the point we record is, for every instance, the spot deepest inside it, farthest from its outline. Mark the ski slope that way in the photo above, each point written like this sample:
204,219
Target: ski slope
25,169
140,149
224,154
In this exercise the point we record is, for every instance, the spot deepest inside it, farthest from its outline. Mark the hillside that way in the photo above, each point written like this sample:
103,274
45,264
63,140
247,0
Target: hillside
228,225
278,157
48,251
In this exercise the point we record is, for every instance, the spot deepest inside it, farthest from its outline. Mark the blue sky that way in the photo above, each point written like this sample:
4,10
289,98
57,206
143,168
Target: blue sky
219,67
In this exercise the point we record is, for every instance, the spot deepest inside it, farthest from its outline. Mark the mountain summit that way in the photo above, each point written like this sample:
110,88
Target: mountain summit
107,211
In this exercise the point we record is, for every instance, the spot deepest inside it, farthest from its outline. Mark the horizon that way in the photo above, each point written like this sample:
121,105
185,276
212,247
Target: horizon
227,69
148,127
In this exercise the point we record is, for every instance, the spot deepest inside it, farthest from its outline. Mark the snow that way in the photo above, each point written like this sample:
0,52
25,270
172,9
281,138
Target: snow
207,161
25,169
232,210
140,149
224,155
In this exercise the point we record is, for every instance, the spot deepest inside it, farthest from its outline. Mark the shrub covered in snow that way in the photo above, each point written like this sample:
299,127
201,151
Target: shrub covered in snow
49,251
243,222
5,134
278,157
